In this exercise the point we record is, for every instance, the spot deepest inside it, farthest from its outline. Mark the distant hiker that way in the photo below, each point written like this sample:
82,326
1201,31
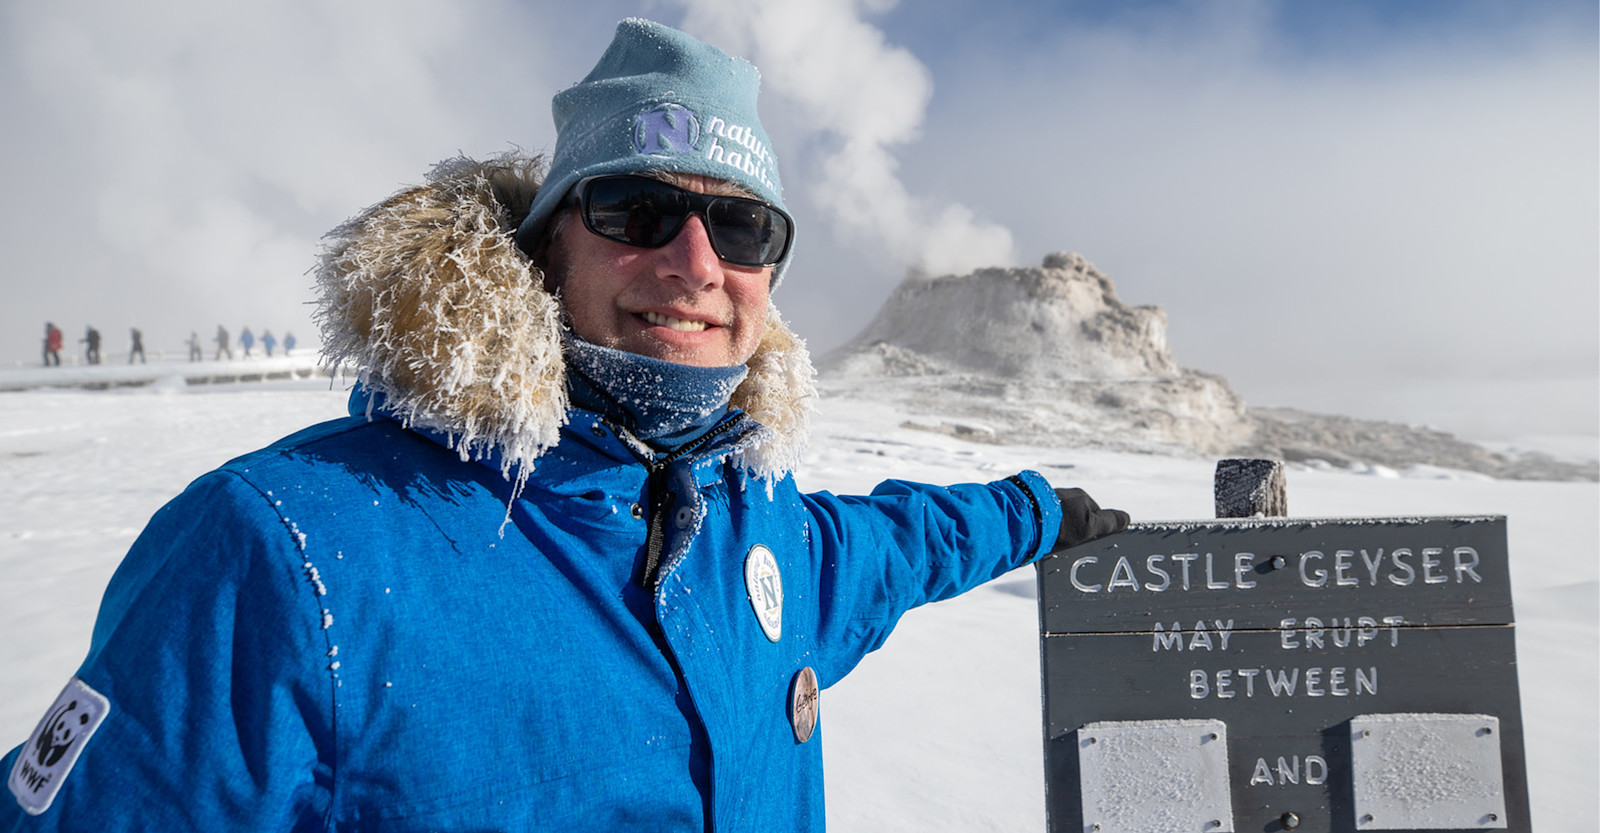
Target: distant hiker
223,340
195,353
52,344
91,342
554,571
268,342
247,340
288,342
138,345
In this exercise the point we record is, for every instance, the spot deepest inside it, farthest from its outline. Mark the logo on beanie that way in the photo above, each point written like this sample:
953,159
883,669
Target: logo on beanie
666,130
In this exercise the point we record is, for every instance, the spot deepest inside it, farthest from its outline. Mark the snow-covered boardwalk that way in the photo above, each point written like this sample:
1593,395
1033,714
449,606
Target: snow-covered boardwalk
102,376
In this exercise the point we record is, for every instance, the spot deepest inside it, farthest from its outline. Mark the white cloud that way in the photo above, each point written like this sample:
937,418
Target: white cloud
1421,204
181,158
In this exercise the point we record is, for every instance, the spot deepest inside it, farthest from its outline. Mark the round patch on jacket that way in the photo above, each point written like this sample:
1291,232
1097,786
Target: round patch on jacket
765,587
804,700
46,759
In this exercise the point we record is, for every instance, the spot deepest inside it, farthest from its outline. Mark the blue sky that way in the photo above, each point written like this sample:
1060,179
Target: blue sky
1381,208
1327,31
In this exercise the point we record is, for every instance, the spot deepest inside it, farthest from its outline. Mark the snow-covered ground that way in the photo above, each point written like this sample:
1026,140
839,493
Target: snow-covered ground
940,730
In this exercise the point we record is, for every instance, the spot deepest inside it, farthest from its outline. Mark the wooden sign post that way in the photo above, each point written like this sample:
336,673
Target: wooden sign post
1269,674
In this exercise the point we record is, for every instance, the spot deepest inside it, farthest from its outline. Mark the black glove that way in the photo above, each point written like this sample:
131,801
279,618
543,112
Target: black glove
1083,520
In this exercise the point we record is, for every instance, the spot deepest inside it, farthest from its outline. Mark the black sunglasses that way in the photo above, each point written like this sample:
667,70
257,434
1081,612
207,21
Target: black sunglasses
648,213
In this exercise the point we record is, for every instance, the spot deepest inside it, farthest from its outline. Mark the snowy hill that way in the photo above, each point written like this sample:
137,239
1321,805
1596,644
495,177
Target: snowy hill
1051,356
937,731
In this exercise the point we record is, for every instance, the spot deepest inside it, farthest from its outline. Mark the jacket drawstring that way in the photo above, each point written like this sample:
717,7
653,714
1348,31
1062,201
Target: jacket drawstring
660,500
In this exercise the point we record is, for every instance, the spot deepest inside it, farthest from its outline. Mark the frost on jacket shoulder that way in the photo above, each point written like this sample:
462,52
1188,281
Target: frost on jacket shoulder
428,299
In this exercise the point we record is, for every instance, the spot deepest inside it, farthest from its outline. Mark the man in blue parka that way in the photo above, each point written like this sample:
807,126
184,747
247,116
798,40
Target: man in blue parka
553,572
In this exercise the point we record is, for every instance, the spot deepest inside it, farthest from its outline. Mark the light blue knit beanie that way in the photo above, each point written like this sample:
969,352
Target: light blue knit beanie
658,100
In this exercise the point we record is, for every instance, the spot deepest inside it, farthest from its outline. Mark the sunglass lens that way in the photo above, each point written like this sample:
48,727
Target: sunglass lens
747,232
637,212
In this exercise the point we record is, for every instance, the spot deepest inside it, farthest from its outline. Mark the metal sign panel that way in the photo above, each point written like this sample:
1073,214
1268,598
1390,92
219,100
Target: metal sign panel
1140,775
1285,631
1427,771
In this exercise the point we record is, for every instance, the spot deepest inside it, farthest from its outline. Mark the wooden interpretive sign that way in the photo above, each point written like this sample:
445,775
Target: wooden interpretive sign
1336,675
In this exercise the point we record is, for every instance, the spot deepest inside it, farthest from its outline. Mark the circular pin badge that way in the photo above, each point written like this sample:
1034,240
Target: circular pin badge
765,588
804,700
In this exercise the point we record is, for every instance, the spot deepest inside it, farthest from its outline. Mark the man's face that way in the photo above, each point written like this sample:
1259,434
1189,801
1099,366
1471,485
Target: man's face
680,303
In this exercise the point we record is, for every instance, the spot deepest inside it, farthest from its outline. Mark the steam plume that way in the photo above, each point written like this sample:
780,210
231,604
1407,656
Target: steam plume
860,97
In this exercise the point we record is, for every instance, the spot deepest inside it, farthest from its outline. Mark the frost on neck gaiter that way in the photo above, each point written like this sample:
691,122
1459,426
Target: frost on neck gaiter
659,398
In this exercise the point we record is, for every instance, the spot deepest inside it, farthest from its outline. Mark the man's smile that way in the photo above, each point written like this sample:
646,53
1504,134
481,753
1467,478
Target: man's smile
681,325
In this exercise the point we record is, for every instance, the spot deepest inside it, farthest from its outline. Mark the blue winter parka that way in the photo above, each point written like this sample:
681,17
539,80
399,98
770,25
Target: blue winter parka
333,633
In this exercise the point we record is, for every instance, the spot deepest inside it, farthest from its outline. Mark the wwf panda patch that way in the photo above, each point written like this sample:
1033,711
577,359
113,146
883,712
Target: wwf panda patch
54,746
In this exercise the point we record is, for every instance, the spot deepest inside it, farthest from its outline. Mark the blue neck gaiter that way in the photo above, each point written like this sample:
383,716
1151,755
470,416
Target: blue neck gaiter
660,402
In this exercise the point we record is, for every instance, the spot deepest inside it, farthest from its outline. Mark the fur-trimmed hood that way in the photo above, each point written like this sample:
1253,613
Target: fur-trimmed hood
426,295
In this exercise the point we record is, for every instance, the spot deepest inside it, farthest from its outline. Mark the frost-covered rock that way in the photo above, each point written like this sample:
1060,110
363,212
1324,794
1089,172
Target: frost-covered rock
1044,354
1378,447
1051,356
1062,320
